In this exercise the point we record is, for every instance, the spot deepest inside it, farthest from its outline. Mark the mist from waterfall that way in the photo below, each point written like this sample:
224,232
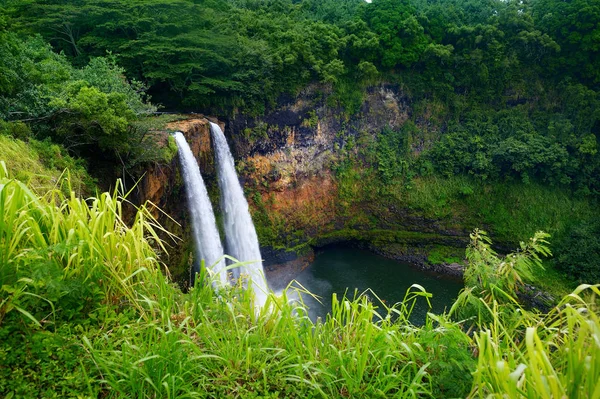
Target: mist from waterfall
240,234
206,235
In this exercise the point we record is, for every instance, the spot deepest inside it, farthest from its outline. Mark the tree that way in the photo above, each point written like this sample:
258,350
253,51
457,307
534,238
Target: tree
575,27
401,36
87,109
578,254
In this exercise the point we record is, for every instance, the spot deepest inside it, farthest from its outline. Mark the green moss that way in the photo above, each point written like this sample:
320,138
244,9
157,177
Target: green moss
553,281
312,120
170,150
513,211
258,132
380,236
442,254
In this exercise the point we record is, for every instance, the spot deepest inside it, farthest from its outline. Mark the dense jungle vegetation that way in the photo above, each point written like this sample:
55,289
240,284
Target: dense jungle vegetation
502,92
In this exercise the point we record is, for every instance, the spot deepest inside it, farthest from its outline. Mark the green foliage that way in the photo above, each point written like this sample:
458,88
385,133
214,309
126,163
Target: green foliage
40,164
99,116
518,88
578,254
107,76
574,26
520,352
348,96
57,259
87,313
401,36
31,72
88,110
283,355
44,364
18,130
243,54
259,131
439,197
554,359
508,145
451,363
503,146
488,273
391,153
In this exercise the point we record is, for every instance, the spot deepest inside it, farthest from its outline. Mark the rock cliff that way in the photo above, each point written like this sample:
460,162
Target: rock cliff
162,185
292,163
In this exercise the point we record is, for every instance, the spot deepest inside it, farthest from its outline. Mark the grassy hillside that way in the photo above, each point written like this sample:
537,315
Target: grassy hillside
42,165
86,311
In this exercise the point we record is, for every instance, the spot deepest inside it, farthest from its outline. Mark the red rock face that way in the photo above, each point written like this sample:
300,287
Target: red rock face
310,205
160,181
286,160
153,187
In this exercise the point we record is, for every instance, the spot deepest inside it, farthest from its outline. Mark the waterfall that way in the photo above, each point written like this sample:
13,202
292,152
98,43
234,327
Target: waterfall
206,235
240,234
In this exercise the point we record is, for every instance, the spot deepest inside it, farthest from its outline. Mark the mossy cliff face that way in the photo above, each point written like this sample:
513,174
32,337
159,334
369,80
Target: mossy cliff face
310,177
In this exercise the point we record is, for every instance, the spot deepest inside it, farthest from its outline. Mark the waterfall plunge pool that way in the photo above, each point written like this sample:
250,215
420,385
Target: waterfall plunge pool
341,270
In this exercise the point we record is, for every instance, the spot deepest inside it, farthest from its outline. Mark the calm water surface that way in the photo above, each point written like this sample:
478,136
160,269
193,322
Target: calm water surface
340,270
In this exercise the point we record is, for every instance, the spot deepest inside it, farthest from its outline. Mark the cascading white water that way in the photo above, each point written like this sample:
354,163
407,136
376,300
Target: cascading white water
206,235
240,234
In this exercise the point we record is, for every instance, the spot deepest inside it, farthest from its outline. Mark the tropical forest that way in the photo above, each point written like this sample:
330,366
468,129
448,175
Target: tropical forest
299,199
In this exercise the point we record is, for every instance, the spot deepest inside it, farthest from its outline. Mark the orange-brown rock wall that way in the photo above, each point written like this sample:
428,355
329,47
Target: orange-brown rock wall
288,161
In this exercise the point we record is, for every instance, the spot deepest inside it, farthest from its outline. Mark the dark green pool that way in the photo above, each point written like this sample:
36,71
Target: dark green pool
339,270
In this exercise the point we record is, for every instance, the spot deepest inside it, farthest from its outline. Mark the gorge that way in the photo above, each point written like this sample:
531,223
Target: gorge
312,177
243,246
298,195
336,269
355,147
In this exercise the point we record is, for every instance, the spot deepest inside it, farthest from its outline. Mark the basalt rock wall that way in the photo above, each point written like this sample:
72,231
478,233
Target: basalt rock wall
289,160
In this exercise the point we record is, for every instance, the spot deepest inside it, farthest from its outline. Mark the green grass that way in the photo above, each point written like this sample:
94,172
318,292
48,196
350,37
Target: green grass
87,312
554,282
441,254
40,165
557,357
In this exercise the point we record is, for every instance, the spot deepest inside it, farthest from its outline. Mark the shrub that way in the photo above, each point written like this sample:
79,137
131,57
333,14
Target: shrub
578,254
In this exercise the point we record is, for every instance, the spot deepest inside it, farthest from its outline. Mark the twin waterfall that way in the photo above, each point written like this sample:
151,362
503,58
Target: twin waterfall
240,236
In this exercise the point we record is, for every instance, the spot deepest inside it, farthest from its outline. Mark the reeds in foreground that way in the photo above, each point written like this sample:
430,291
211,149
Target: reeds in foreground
92,291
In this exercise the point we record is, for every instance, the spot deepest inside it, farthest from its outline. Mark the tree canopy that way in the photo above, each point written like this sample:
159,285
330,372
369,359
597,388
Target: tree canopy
518,80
